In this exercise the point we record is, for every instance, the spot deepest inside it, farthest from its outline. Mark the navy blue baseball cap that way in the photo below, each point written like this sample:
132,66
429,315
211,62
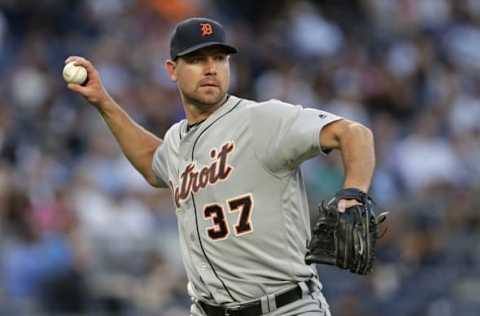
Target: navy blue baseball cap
196,33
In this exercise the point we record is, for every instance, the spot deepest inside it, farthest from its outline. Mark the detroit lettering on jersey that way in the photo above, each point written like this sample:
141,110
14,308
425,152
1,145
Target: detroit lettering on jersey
194,179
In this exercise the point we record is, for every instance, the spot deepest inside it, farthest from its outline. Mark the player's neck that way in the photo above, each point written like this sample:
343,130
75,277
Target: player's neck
196,112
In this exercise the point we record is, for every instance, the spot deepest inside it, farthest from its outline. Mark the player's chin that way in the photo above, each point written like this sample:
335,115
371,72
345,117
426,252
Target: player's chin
210,95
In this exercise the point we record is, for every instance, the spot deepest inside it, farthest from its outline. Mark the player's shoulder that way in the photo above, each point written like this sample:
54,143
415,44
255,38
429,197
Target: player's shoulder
252,107
275,106
268,104
271,108
172,136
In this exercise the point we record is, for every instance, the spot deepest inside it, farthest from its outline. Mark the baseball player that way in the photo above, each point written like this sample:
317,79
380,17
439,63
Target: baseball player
232,167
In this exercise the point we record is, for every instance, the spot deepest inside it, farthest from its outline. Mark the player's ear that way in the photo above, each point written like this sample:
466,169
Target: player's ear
171,65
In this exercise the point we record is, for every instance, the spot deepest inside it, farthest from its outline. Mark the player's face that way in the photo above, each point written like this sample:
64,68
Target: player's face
203,76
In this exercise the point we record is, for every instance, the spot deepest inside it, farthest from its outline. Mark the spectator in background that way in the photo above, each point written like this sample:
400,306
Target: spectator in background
38,270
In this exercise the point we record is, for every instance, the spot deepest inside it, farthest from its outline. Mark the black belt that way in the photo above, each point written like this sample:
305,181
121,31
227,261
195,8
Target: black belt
253,308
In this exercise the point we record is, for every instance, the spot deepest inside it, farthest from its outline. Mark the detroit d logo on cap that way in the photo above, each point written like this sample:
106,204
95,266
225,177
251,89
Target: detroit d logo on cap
207,29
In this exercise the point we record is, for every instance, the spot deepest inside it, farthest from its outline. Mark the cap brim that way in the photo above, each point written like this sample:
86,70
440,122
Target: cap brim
229,49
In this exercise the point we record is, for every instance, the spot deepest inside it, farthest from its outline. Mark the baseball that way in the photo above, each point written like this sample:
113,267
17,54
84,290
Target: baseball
74,74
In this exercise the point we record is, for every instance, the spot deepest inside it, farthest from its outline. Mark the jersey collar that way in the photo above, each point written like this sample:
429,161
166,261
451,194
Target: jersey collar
227,106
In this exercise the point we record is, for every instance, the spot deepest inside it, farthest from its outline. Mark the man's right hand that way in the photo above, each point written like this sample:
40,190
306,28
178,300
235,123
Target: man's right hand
92,90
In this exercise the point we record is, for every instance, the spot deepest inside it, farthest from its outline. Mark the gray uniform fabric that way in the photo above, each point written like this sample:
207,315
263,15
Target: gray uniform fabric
240,200
312,303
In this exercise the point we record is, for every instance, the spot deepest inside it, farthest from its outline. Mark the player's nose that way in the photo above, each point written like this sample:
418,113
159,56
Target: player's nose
210,66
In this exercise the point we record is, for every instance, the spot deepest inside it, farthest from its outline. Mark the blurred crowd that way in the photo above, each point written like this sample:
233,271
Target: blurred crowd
81,233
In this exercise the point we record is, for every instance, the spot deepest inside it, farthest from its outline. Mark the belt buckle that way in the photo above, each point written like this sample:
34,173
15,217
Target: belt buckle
232,309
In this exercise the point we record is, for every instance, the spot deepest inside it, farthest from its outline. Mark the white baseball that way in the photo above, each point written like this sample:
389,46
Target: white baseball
74,74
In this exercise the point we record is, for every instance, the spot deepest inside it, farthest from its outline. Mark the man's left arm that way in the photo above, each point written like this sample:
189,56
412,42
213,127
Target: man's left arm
356,144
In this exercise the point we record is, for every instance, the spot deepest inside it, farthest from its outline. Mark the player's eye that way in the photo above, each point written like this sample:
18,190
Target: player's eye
194,59
220,57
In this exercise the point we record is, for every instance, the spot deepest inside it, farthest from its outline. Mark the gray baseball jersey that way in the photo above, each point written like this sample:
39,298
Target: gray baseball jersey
240,199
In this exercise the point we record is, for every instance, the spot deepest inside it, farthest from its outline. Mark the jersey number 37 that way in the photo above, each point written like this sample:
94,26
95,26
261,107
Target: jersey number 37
220,228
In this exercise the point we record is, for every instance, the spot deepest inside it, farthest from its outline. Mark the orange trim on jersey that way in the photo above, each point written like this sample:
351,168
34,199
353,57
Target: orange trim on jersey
220,230
194,179
248,220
